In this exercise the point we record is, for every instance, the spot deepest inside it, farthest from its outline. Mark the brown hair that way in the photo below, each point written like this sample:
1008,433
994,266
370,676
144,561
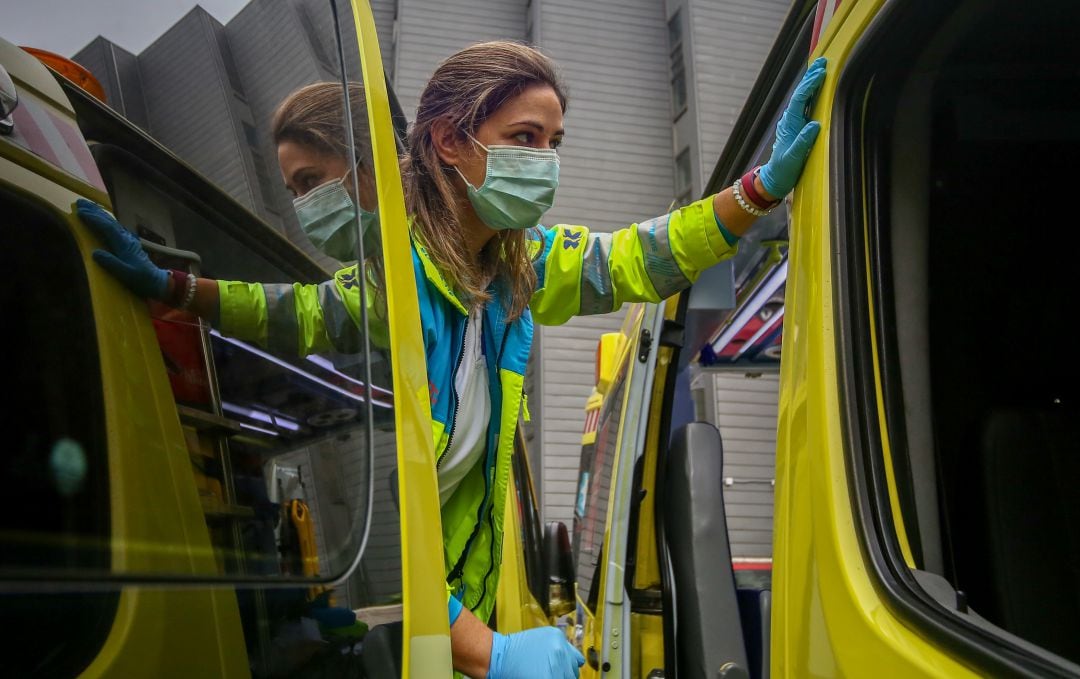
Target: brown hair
466,89
314,116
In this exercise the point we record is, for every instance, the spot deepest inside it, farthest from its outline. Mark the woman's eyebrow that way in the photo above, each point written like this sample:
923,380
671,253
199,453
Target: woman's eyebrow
539,127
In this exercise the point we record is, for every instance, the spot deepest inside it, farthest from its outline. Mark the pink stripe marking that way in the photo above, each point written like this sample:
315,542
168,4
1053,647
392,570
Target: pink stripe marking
825,10
79,149
35,138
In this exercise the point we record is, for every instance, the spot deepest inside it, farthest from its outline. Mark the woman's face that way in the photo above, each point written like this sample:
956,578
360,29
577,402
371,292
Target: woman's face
304,168
533,118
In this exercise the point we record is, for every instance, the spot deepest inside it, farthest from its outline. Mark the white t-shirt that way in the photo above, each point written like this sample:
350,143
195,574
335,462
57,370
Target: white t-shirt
473,412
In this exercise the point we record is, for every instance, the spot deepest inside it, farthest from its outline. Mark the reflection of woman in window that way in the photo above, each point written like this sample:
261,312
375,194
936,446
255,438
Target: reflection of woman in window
480,171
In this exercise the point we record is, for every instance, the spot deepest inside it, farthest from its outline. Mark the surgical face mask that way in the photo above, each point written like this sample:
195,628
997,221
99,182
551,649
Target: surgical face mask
328,217
519,186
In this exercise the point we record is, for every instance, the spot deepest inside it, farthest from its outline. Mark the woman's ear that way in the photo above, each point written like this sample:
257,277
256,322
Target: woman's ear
447,142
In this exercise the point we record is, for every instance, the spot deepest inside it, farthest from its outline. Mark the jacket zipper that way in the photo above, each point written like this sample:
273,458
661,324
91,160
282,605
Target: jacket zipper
457,398
491,563
491,518
459,567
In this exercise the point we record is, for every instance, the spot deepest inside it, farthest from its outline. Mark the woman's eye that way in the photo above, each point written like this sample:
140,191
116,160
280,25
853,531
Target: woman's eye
523,137
555,144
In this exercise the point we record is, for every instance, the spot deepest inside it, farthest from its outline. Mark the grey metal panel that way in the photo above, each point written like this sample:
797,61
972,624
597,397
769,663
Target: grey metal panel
96,57
754,542
385,12
321,20
746,412
118,72
729,42
131,93
275,57
189,102
616,170
430,31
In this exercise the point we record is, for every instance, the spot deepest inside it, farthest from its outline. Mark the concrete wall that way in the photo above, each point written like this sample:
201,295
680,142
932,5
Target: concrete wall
616,170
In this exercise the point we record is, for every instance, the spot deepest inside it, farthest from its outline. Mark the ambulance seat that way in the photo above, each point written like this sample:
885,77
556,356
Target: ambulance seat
709,641
382,651
755,608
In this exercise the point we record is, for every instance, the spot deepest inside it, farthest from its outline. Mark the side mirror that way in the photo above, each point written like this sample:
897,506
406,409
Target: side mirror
9,99
559,568
608,352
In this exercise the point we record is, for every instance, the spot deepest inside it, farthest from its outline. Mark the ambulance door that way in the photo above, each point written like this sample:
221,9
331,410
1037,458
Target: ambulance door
927,517
607,502
225,500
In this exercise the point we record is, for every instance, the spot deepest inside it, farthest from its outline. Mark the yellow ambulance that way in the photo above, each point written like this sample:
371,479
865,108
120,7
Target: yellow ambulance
926,518
183,504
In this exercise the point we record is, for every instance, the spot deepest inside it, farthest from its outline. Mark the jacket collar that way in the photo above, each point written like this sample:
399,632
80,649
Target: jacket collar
435,277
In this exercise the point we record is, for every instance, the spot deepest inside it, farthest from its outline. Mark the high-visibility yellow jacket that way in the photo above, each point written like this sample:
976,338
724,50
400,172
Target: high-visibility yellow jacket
578,272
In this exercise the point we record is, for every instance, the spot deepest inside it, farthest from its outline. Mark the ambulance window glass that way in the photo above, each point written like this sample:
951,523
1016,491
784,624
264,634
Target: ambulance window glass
531,535
57,513
590,526
271,426
56,460
279,463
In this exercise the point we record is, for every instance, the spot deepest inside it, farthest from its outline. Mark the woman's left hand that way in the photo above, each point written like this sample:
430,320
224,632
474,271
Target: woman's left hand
795,135
125,259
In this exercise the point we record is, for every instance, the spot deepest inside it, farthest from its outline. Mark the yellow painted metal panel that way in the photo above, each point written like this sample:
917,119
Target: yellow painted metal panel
631,329
828,617
424,605
648,644
37,86
174,633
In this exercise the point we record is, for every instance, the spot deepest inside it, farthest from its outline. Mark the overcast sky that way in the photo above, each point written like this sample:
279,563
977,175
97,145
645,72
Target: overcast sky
66,26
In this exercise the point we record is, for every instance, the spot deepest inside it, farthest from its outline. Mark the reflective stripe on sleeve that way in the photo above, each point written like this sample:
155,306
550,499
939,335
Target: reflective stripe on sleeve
282,337
597,295
660,265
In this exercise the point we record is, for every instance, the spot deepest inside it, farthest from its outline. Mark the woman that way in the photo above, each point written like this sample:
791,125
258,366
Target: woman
480,170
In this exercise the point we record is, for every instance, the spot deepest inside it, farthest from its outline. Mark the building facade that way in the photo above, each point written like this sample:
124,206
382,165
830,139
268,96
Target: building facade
654,89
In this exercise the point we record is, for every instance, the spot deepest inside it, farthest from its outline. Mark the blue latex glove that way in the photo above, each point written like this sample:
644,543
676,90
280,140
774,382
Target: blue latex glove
125,258
795,135
538,653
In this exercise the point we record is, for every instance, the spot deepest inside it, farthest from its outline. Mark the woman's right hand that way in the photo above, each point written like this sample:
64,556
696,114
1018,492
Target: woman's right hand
795,135
125,258
537,653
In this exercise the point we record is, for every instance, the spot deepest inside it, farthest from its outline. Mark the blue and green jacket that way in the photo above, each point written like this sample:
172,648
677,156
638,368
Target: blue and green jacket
578,272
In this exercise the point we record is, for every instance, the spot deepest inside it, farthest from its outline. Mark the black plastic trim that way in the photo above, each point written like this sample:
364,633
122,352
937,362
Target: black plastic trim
191,191
667,579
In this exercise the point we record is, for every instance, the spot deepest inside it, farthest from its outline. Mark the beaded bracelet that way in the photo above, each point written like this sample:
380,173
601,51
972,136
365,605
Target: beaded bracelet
736,190
192,282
